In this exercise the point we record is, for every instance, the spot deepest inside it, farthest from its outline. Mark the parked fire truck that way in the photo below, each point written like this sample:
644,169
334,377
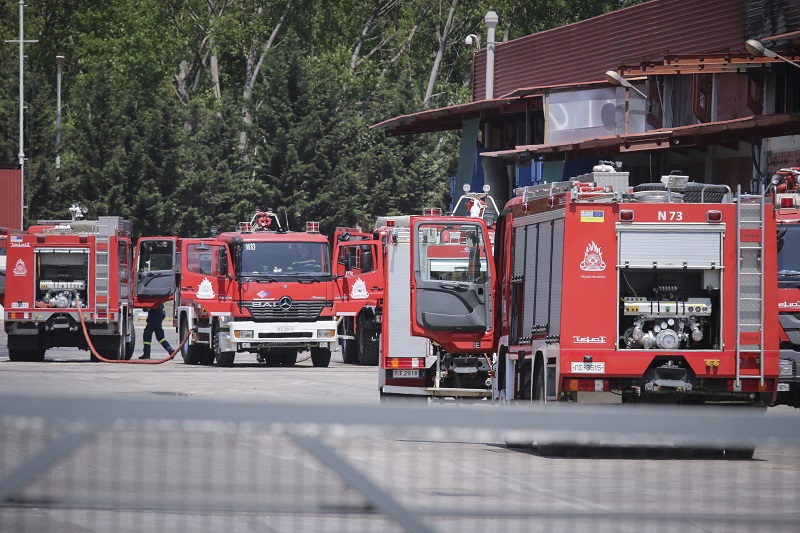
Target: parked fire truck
359,294
261,289
446,349
785,193
663,294
660,293
60,268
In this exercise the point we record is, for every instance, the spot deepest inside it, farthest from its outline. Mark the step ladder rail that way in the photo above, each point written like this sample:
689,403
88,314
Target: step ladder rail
750,276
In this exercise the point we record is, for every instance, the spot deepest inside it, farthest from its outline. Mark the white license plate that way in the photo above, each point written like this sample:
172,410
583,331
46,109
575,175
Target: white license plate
783,387
588,368
405,373
285,329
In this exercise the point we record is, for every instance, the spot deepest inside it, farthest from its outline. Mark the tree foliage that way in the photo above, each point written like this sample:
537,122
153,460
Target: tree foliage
186,114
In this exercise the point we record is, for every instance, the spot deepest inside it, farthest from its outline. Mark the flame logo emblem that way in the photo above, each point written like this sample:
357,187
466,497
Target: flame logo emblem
205,291
593,259
359,290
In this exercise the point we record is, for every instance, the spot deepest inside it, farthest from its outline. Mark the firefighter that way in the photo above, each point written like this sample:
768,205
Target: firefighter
305,258
155,316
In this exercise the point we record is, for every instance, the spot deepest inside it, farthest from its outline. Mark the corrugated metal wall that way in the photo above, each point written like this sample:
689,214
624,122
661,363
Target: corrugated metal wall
583,51
10,198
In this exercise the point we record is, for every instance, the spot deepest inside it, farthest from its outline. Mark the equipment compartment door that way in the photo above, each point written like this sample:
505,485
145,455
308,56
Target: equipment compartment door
155,267
451,291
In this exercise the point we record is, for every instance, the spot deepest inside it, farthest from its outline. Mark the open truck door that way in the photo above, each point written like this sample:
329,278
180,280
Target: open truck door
157,261
451,281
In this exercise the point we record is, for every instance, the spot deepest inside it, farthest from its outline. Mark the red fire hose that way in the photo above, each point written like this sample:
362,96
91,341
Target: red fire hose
131,361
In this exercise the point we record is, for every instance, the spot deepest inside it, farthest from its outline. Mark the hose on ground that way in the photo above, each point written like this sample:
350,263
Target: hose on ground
130,361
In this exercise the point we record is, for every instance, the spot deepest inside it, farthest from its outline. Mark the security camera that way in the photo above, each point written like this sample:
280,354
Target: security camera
468,40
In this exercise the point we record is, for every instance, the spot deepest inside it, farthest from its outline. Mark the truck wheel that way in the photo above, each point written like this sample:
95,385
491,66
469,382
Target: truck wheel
225,358
538,387
367,347
26,355
16,355
206,355
320,356
349,351
130,347
739,453
288,358
114,347
189,352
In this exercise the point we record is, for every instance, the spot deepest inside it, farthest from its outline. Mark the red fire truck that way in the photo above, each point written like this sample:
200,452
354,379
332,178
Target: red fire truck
786,196
662,294
262,289
445,351
61,268
359,294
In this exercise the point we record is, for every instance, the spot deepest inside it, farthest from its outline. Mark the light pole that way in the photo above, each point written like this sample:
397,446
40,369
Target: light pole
615,79
60,63
756,49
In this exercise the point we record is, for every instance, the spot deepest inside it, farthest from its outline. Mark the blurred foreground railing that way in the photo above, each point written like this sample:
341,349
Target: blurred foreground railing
187,465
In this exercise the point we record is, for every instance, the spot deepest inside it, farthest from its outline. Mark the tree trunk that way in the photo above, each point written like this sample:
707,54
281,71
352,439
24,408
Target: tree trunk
437,62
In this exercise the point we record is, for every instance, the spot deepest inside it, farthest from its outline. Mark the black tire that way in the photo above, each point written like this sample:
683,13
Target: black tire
225,359
320,357
206,355
740,453
538,387
16,355
113,347
191,353
289,358
26,355
130,346
704,193
368,348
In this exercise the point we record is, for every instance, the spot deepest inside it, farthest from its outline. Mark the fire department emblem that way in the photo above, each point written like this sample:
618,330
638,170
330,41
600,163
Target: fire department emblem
593,259
262,293
359,290
205,291
20,269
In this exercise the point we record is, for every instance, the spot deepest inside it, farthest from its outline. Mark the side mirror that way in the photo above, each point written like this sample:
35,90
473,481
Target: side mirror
238,245
222,261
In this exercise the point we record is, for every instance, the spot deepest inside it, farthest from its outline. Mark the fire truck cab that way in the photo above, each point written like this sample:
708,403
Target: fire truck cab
261,289
785,194
359,287
662,293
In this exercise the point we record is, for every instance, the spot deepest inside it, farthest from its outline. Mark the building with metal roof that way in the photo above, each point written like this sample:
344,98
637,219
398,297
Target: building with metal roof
711,88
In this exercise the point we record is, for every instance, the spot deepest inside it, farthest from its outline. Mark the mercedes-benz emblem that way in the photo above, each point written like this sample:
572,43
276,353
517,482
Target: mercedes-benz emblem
285,303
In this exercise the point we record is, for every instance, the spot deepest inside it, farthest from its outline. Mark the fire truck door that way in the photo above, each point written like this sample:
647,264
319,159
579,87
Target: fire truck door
451,279
359,268
155,267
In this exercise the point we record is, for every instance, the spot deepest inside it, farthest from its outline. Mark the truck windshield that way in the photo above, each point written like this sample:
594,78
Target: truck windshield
788,254
285,258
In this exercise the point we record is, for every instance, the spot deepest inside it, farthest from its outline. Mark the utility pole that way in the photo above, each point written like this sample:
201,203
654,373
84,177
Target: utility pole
21,154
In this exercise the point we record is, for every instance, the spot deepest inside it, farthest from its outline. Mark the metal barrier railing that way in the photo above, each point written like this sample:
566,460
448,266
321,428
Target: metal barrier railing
73,464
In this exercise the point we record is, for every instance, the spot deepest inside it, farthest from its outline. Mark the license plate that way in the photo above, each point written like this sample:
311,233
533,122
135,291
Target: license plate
783,387
405,373
588,368
285,329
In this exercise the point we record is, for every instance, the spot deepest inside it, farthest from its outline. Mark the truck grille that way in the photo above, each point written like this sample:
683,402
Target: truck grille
299,311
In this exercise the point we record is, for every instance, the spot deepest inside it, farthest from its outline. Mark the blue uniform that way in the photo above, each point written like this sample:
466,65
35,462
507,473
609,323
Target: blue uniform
155,316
